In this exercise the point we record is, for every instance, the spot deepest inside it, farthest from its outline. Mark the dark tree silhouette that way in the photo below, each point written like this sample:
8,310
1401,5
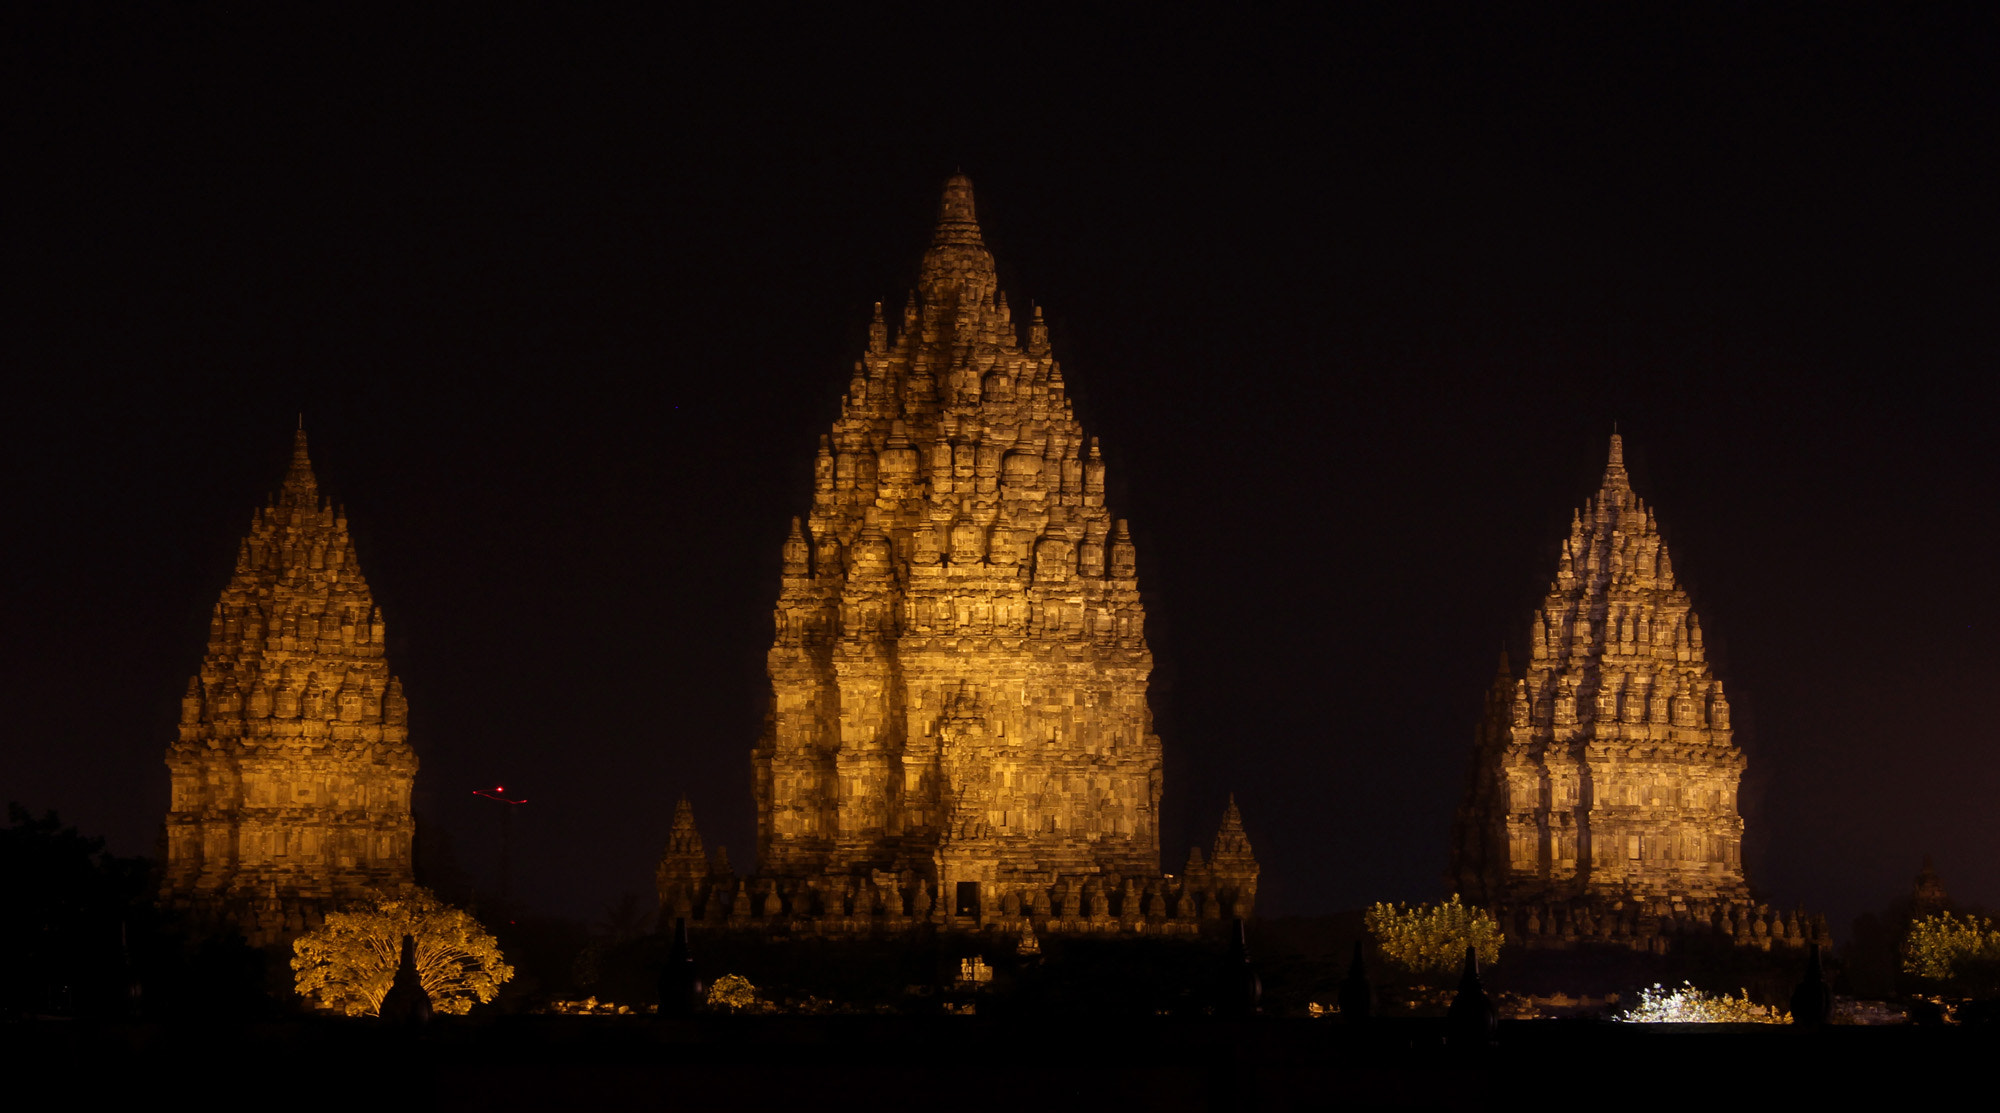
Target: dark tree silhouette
76,923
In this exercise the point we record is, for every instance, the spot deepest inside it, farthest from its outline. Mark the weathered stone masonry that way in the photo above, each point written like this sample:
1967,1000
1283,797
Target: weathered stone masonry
959,729
291,776
1602,804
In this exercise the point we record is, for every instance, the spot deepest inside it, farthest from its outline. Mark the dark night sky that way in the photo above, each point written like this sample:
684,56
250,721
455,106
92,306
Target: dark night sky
1353,302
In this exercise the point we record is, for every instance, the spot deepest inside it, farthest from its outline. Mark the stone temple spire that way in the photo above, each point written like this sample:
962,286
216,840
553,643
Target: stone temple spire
291,776
958,223
1615,478
1230,838
684,865
957,266
1608,773
959,722
301,487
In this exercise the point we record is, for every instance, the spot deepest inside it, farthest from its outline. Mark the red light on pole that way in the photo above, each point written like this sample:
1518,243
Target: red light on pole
506,833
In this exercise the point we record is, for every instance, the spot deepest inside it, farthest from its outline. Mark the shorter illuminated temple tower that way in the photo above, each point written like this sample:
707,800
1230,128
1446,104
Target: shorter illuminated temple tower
1602,803
291,776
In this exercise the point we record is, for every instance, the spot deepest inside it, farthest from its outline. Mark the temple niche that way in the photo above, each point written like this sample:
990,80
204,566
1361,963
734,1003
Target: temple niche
959,732
291,776
1602,804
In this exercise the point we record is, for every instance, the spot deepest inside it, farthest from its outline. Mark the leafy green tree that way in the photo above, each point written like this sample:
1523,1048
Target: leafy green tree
1942,946
1431,938
347,963
733,993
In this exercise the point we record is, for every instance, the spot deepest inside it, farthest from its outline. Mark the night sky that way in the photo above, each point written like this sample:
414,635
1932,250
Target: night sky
1353,302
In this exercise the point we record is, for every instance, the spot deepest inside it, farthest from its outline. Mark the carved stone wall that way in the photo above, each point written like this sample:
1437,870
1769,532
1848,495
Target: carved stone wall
1604,780
960,663
291,776
702,889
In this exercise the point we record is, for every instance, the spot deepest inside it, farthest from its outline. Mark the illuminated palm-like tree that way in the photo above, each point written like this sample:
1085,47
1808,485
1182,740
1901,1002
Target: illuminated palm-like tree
348,963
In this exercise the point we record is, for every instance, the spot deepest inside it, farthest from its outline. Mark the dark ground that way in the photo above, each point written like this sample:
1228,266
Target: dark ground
973,1063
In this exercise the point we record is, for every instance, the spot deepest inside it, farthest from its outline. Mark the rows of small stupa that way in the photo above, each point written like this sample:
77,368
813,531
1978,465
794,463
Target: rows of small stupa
291,776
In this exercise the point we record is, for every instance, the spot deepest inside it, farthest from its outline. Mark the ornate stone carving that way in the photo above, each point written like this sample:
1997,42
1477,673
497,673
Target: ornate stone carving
960,663
291,776
1605,779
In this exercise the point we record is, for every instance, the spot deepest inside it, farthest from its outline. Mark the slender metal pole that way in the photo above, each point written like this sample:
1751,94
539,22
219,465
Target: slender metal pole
506,855
506,838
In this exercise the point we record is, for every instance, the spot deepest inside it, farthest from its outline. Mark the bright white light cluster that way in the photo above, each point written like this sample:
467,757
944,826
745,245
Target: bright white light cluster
1688,1005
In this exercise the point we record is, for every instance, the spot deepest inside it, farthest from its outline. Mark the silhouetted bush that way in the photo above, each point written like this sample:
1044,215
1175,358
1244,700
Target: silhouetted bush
76,923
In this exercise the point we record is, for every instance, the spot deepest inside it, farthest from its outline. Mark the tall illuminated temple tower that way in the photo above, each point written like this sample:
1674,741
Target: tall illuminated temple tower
291,777
1603,795
959,724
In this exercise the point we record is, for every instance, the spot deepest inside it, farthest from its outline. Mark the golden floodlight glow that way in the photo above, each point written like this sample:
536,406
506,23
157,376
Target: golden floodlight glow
1602,807
959,731
292,771
348,963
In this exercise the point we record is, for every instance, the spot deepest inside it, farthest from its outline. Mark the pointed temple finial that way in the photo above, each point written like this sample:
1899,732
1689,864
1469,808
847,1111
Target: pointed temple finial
683,837
797,554
301,487
1230,838
957,255
957,222
1615,479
